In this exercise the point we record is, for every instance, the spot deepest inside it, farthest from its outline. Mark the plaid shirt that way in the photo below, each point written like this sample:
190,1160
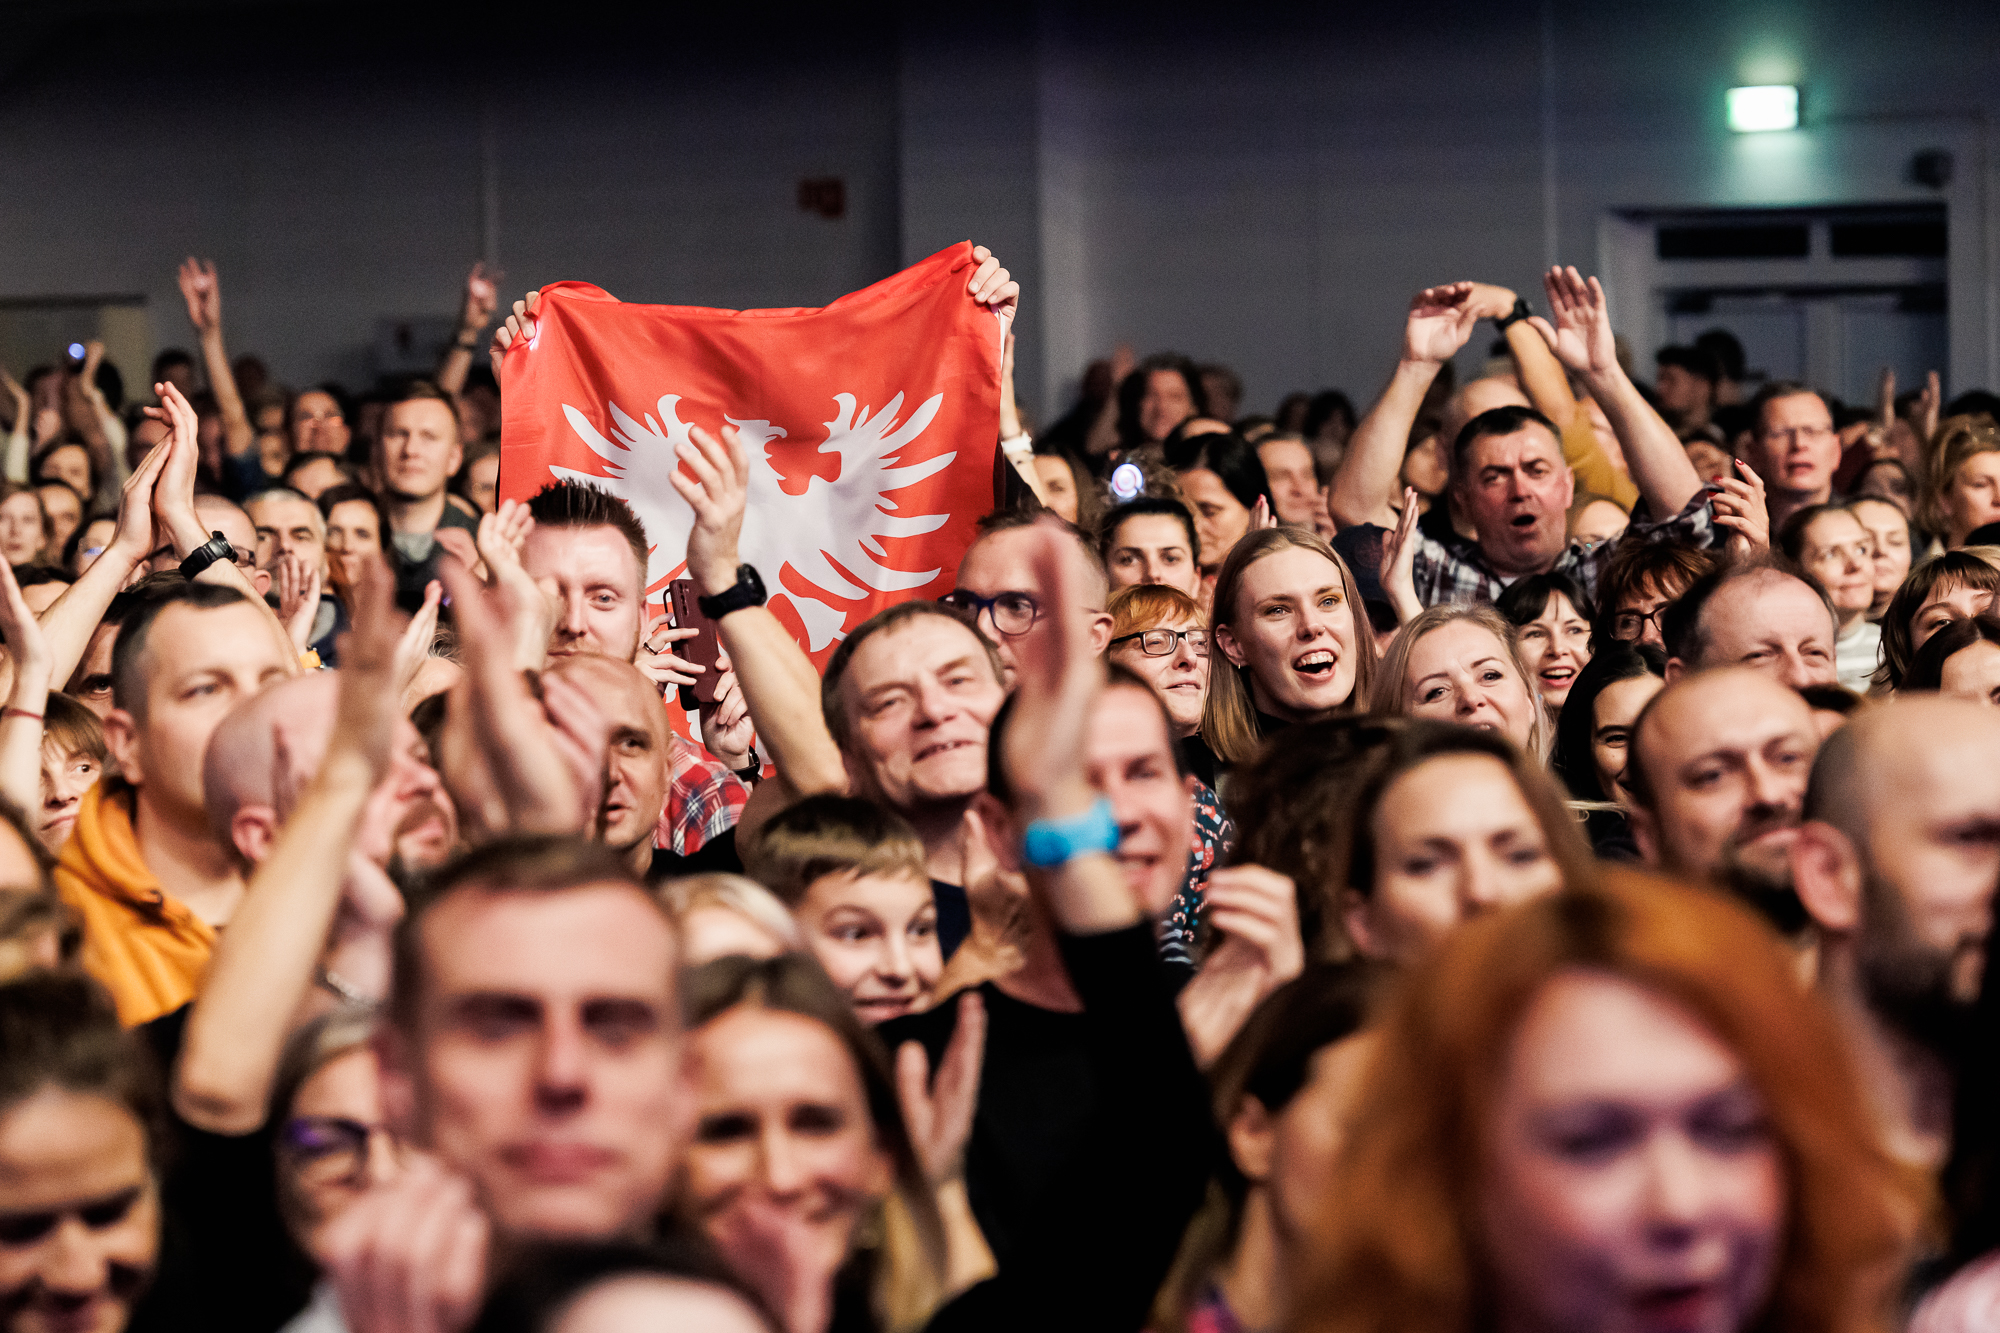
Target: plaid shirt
703,802
1450,568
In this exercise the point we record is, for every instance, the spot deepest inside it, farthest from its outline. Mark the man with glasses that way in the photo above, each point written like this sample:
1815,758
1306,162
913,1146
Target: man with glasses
1792,445
997,586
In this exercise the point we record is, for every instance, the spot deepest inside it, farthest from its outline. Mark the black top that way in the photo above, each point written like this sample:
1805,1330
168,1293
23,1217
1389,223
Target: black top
413,575
227,1264
1200,760
1091,1145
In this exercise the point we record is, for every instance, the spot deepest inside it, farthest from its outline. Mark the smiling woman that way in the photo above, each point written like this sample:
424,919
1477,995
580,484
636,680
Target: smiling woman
1289,622
1458,663
1551,620
1621,1110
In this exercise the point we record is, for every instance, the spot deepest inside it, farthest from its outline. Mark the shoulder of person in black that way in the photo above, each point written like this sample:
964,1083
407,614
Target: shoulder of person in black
227,1263
1200,760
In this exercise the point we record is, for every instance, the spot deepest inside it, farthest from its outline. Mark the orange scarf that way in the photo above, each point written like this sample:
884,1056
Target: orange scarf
146,947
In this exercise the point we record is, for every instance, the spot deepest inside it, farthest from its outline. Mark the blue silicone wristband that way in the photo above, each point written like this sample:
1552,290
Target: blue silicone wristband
1051,842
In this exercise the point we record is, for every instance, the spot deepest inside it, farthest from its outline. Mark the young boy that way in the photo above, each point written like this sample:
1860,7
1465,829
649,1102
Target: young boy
853,875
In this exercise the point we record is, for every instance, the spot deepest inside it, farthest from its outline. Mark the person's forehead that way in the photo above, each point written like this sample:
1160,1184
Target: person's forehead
1738,709
620,689
227,518
1128,724
1292,570
1167,381
916,648
1797,409
25,501
419,413
1455,643
56,495
354,514
560,944
1763,600
999,562
312,400
283,512
1151,530
1837,526
191,638
1284,454
1483,793
1533,440
580,555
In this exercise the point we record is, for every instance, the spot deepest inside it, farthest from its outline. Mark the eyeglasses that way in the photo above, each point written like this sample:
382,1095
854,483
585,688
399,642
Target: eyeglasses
326,1149
1013,612
1166,642
1810,434
1632,624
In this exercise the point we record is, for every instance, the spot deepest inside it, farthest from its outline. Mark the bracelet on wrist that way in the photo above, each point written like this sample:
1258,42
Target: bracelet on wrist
11,711
1048,843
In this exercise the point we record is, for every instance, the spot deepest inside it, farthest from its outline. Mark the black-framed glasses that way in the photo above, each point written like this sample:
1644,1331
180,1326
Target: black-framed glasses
1166,642
1013,612
1631,625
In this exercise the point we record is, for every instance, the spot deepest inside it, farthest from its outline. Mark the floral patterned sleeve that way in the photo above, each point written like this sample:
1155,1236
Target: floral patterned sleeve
1214,838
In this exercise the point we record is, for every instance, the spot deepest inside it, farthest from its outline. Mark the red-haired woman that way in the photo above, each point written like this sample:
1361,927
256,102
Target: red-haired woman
1608,1109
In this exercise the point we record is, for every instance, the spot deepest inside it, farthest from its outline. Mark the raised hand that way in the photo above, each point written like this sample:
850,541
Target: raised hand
203,293
726,729
992,286
135,539
939,1111
409,1256
27,697
1491,301
715,481
519,326
1399,561
1256,913
173,494
1441,320
1261,516
482,298
532,608
413,648
298,596
1924,412
1740,506
1581,336
654,658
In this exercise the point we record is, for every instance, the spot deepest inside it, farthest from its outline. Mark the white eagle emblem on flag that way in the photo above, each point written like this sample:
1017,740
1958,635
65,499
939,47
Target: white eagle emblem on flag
831,534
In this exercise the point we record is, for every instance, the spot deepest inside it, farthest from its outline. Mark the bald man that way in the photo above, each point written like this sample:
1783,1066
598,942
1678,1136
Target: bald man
1896,863
248,795
219,514
996,574
1765,613
1718,770
639,763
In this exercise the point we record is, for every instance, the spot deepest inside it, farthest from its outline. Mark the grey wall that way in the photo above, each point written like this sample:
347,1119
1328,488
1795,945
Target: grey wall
1255,184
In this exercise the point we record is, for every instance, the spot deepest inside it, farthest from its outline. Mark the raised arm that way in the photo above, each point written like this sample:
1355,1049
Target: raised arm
86,412
1365,487
72,618
264,966
1582,340
174,516
14,466
475,312
780,685
203,292
27,697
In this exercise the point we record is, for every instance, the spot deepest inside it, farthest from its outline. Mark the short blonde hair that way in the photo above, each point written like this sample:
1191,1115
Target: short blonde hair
832,835
1958,440
735,893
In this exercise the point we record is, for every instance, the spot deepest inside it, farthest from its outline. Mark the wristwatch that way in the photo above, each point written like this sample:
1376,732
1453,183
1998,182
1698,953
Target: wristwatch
1052,842
1514,316
748,590
216,548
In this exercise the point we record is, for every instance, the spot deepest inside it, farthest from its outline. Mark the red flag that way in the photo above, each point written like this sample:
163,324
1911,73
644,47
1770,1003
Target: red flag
871,426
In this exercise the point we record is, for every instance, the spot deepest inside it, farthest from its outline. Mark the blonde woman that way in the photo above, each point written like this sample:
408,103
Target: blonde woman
1458,663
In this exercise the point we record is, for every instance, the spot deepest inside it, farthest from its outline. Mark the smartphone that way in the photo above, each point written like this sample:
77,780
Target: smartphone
704,649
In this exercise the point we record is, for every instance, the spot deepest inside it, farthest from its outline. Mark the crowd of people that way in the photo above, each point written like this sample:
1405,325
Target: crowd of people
1518,858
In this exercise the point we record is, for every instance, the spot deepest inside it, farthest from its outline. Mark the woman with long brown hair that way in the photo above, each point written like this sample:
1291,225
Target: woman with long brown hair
1608,1109
1395,830
1295,641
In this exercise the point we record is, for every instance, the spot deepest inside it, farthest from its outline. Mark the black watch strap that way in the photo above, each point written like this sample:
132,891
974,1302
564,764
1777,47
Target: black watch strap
1514,316
216,548
748,590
